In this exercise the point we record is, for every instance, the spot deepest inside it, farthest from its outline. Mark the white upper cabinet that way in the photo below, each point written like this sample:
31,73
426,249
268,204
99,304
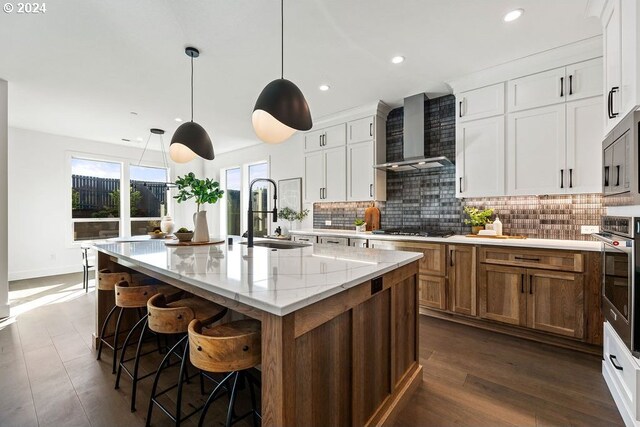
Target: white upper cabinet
313,176
536,151
360,173
335,189
537,90
584,145
584,79
480,158
360,130
480,103
612,33
330,137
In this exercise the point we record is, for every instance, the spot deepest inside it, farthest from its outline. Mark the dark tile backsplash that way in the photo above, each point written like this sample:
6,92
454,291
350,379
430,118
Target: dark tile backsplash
426,199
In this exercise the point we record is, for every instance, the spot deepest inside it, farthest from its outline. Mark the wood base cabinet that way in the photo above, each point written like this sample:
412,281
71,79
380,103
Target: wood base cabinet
462,279
549,301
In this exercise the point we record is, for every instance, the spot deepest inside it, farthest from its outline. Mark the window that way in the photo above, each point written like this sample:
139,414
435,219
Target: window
233,211
147,198
95,199
97,209
232,200
260,198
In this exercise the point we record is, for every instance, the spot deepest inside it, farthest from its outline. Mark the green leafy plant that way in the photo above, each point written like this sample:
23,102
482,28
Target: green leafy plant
291,215
203,190
477,217
183,230
358,222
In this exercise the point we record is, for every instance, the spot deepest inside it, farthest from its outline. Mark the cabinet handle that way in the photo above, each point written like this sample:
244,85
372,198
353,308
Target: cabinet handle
451,257
570,84
561,87
460,109
530,284
570,178
320,192
522,283
613,362
561,178
524,258
304,240
320,140
461,184
371,129
617,175
370,190
332,241
609,104
613,91
606,176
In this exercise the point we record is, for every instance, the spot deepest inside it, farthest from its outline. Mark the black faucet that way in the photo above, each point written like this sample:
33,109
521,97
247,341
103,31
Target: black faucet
251,211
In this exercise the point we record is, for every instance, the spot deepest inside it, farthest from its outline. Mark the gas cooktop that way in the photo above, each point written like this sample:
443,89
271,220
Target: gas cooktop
414,232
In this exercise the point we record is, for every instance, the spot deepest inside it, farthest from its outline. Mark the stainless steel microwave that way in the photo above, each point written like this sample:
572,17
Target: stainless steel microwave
620,163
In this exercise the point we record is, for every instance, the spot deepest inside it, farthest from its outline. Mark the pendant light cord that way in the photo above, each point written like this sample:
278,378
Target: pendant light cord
282,39
192,88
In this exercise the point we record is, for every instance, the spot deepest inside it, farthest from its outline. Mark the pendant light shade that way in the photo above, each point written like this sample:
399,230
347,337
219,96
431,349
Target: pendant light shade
281,109
190,139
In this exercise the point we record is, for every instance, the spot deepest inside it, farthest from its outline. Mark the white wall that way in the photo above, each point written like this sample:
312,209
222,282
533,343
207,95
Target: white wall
4,283
286,160
39,198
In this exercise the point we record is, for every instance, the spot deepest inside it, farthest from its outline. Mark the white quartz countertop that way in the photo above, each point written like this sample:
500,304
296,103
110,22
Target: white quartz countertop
276,281
580,245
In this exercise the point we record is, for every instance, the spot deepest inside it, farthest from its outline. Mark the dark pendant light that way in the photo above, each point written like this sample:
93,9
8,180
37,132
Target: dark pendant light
281,109
190,139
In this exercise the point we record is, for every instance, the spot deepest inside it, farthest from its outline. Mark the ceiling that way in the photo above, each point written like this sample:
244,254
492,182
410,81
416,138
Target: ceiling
84,65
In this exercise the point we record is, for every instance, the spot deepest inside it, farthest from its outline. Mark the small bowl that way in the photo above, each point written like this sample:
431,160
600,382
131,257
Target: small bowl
154,235
184,237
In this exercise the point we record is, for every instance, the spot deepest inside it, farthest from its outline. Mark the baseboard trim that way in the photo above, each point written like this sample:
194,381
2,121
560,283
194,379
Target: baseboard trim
33,274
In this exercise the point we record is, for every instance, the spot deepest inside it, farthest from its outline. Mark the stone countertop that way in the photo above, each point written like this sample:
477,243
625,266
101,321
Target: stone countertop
276,281
579,245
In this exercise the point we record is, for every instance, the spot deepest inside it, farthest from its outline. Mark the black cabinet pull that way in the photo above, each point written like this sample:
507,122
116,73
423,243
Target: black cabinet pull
613,362
460,109
530,284
570,84
609,104
304,240
461,184
617,175
561,178
570,178
371,129
332,241
606,176
451,257
522,283
321,193
613,91
370,190
561,87
524,258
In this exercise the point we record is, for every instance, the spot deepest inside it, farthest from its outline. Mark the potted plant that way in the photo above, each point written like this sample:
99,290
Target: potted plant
291,215
184,234
477,218
204,191
361,226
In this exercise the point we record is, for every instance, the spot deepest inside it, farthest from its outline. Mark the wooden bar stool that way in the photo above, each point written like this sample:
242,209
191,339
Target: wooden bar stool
173,318
107,282
137,297
233,347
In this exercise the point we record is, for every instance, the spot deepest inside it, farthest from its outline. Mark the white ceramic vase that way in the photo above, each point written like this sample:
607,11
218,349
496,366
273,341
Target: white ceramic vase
167,224
201,229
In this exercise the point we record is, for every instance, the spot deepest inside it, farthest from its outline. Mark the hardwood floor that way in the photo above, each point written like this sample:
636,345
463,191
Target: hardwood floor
49,375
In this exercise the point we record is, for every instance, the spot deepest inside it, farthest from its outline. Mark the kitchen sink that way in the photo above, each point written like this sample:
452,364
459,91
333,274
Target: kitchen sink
278,245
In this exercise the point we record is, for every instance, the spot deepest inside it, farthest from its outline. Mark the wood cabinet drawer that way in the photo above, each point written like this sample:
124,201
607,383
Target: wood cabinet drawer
303,238
533,258
431,292
329,240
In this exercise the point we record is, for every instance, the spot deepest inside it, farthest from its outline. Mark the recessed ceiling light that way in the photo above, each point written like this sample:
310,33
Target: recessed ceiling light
324,88
397,59
513,15
178,119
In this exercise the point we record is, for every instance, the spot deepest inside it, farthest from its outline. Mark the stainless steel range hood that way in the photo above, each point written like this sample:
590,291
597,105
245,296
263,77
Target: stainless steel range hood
413,140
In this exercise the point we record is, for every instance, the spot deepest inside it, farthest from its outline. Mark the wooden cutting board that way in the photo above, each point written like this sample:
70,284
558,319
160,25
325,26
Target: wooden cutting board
179,243
372,218
496,237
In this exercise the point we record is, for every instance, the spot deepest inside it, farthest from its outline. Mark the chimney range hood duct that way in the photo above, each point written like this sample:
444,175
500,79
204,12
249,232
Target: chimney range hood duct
413,140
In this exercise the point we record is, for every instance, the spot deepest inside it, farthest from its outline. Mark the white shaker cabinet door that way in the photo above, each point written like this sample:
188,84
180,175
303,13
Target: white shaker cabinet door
537,90
335,136
536,155
313,176
480,158
584,145
360,130
360,171
480,103
584,79
612,34
335,161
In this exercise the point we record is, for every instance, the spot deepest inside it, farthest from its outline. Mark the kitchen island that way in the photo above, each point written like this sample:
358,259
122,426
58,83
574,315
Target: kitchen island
339,324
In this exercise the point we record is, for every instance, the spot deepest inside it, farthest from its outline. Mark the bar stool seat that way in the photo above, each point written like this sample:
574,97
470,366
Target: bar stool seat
173,318
234,346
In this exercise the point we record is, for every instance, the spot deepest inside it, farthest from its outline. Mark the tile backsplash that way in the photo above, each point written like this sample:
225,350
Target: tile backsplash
426,199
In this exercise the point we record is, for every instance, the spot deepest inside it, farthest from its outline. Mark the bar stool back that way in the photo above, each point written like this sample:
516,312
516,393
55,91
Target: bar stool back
234,346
